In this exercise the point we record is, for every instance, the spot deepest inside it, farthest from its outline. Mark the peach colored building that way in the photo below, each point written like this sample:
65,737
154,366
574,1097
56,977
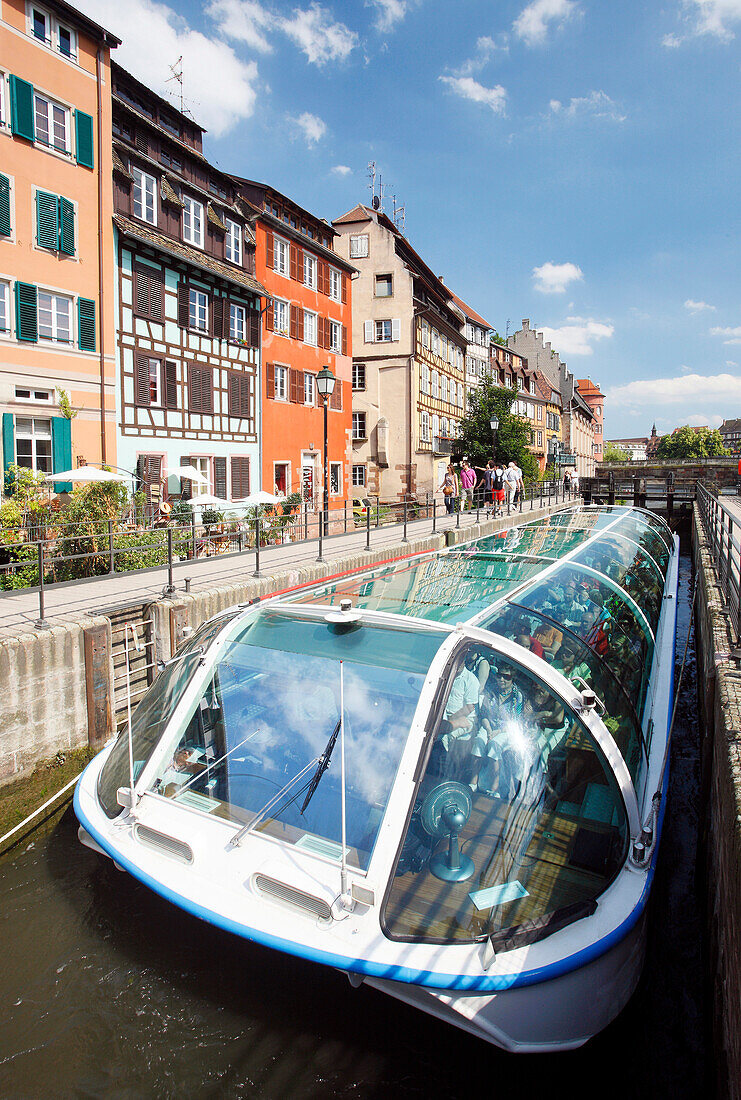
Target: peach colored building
56,237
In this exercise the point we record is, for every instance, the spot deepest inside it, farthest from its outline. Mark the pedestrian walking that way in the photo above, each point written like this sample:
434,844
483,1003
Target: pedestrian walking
498,485
510,483
567,480
449,486
468,480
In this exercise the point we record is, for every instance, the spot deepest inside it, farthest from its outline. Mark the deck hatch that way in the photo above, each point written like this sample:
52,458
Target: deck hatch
292,897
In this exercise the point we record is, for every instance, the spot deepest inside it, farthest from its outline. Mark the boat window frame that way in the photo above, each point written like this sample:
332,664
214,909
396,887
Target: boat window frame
461,637
535,613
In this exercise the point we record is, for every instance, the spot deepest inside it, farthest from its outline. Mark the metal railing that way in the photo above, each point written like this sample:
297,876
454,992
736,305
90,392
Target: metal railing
35,561
723,529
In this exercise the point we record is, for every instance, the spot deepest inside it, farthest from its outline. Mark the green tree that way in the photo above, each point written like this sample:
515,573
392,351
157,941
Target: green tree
689,443
614,454
513,434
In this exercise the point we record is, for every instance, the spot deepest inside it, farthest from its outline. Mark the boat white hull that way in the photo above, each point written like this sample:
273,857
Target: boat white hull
559,1014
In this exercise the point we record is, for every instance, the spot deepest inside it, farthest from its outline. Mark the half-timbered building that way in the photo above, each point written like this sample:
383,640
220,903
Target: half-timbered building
187,305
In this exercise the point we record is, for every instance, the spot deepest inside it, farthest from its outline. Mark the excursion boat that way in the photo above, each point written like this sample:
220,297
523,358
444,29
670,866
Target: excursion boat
444,776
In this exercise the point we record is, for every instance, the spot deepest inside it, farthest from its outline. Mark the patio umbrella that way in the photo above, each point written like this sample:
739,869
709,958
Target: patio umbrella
87,475
188,472
260,497
208,500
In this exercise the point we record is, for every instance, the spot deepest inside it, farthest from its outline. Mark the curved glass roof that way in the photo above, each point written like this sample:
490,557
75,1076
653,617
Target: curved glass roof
589,579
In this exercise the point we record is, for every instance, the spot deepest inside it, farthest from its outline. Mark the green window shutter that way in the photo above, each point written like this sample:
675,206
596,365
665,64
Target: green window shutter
86,324
66,227
61,450
84,132
8,442
4,206
26,312
47,220
21,108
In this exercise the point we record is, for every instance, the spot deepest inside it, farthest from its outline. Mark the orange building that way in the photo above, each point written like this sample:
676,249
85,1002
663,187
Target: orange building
56,238
594,397
307,325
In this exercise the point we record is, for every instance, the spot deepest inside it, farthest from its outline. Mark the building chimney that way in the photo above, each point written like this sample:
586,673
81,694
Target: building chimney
525,324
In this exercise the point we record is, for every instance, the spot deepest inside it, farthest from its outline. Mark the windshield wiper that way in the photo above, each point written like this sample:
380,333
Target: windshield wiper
269,805
322,766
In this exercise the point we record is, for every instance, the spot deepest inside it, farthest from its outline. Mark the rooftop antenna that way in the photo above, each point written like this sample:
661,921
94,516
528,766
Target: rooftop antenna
372,181
506,331
400,215
177,76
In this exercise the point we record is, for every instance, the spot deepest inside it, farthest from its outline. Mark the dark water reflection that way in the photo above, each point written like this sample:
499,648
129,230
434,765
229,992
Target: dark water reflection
107,991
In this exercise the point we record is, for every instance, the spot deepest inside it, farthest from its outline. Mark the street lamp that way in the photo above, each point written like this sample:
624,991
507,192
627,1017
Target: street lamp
325,384
494,424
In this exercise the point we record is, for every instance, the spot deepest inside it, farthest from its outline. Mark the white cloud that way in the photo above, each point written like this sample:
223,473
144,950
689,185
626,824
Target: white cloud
554,278
532,23
389,12
694,388
310,126
219,88
596,104
468,88
321,38
697,307
707,17
577,336
244,21
486,47
341,170
733,334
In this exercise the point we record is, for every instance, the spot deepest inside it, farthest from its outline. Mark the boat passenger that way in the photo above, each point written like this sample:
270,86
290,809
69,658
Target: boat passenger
460,717
499,734
567,661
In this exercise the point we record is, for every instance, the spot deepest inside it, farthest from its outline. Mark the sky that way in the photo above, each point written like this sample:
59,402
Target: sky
575,162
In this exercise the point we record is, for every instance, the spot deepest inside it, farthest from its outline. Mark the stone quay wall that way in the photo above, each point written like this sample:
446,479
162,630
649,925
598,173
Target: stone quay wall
719,685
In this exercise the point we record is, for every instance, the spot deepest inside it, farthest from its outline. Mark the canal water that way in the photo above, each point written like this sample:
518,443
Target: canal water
107,991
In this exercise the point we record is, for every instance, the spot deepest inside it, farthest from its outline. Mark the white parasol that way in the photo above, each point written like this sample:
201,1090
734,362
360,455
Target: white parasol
87,475
188,472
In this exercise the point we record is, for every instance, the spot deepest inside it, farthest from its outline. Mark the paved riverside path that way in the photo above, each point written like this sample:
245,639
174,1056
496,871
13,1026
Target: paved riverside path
19,611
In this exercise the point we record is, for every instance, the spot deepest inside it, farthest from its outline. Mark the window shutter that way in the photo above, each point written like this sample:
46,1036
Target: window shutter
170,384
396,329
148,293
86,324
323,277
239,395
299,263
61,450
368,332
270,257
4,206
21,109
294,261
26,299
84,135
47,220
186,483
8,441
344,339
296,385
201,389
294,321
240,477
220,477
300,324
142,394
152,471
270,379
183,305
253,334
270,316
66,227
343,280
217,318
335,401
